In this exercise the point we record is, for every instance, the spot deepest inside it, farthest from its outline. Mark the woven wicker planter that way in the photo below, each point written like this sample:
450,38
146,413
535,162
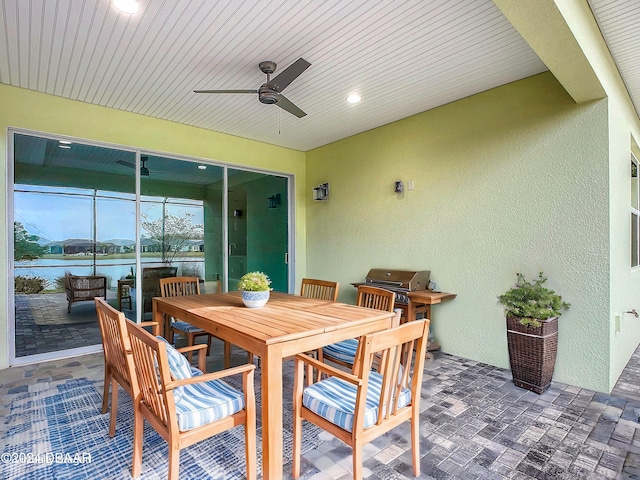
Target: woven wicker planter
532,353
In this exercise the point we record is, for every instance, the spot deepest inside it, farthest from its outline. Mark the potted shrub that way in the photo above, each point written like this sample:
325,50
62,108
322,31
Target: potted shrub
255,287
532,312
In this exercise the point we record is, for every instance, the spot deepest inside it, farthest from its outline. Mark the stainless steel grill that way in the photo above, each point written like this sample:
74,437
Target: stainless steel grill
399,281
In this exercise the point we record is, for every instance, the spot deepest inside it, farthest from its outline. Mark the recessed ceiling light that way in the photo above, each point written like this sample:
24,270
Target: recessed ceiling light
202,167
127,6
354,98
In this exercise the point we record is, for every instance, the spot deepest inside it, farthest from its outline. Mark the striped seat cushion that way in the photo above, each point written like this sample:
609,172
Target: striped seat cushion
178,364
202,403
334,399
186,327
344,350
179,367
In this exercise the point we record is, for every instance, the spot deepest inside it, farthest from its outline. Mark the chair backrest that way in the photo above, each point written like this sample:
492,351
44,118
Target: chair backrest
320,289
153,375
115,343
178,286
374,297
384,352
151,283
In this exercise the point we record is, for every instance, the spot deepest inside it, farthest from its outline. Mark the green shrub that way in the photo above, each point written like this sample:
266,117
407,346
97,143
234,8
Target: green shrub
531,301
29,285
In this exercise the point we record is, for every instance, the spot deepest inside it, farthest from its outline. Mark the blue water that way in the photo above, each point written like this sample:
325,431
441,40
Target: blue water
113,269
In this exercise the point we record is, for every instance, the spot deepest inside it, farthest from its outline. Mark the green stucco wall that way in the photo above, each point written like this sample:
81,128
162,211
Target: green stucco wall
38,112
514,179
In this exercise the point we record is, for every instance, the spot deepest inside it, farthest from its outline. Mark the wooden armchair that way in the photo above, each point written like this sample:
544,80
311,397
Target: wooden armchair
344,353
117,356
82,288
360,406
320,289
178,286
185,409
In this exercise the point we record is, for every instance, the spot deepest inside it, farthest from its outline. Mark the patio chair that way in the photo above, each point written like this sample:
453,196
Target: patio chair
320,289
183,408
344,352
151,284
177,286
83,288
117,355
360,406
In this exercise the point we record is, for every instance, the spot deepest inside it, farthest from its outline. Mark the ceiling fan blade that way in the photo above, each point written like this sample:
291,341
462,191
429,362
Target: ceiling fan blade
225,91
287,105
288,75
126,164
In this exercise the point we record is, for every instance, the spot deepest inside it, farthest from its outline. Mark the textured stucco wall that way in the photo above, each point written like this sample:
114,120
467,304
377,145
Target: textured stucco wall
28,110
624,133
510,180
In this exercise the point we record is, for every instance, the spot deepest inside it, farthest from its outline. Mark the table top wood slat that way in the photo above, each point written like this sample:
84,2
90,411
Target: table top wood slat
284,318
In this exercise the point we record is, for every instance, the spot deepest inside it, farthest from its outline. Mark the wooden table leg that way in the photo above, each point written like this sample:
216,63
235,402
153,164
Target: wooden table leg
158,317
272,438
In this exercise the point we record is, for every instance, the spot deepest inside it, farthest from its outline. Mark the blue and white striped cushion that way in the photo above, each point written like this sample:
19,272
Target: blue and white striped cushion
203,403
177,368
334,399
186,327
344,350
178,364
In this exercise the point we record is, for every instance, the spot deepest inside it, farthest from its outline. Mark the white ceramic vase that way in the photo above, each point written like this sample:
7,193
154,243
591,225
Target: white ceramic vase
255,299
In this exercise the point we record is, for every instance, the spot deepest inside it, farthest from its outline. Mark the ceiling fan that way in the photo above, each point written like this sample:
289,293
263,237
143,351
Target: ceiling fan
269,92
144,171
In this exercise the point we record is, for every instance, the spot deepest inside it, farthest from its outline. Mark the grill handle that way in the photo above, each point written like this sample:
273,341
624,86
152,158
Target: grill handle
385,282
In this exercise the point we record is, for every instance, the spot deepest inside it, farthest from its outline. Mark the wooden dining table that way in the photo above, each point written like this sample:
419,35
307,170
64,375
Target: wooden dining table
286,325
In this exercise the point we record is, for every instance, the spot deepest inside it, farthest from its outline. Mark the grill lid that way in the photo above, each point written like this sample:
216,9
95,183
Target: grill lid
410,280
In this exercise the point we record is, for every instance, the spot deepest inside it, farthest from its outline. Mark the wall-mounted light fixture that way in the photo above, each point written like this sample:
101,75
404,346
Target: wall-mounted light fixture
399,187
274,201
321,192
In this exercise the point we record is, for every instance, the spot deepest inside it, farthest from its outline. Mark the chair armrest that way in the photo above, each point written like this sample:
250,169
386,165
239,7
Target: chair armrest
192,348
155,325
202,357
327,369
249,368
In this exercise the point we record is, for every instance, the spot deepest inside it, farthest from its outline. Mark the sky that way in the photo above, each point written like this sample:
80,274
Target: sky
59,217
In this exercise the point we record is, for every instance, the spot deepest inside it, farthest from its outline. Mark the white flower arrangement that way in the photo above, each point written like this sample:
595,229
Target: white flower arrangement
254,282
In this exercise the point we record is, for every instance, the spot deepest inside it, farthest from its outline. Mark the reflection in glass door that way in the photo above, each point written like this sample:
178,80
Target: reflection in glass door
258,227
74,238
180,224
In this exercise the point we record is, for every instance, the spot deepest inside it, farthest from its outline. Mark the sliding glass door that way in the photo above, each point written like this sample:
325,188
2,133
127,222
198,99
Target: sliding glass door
92,220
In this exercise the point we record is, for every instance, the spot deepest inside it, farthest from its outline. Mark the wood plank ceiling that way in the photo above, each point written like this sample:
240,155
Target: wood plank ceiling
402,57
619,22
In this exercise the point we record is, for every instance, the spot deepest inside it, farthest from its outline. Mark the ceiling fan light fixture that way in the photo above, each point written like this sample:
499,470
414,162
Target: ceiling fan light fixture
266,95
127,6
144,171
354,98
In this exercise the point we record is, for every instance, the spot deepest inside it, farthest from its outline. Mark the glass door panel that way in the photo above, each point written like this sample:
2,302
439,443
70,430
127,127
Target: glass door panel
258,227
180,224
74,227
